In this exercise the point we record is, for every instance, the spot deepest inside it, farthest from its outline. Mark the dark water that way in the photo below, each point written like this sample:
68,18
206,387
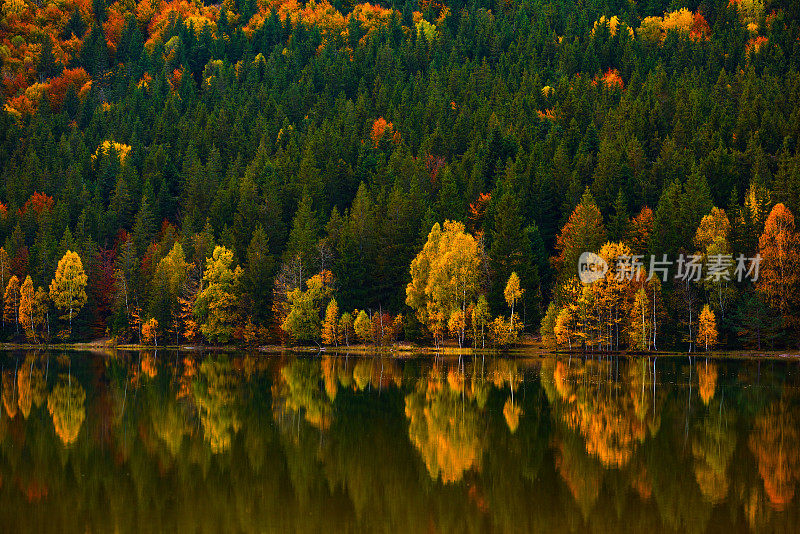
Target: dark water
237,443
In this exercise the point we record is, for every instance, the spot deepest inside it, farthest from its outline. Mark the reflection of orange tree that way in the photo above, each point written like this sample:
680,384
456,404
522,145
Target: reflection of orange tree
329,377
639,380
215,393
511,413
31,386
707,378
10,394
149,365
774,444
445,426
611,422
66,406
582,474
376,372
502,371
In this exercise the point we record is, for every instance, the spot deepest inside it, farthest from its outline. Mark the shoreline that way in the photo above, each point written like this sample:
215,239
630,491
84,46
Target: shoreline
406,351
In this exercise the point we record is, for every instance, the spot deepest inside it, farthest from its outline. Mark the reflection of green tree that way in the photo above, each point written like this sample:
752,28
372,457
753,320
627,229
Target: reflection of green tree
713,444
215,393
445,426
362,373
301,391
282,474
66,406
169,423
681,505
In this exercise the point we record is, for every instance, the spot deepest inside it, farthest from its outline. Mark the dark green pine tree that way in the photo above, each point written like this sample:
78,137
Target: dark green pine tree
131,43
258,276
450,204
76,26
357,264
144,225
511,251
94,52
303,236
48,68
756,325
619,223
100,11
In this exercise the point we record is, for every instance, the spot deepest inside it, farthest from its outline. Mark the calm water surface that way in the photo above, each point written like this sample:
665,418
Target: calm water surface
151,442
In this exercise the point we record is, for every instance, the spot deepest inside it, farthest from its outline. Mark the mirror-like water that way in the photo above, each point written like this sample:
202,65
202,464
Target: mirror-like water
141,442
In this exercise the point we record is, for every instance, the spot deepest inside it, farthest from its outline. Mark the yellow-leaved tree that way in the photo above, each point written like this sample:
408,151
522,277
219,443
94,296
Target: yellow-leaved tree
4,273
363,327
216,307
68,288
66,406
445,276
513,293
303,322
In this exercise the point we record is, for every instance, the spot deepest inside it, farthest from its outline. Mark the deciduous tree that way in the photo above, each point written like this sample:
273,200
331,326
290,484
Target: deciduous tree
330,326
345,328
513,293
779,276
481,317
445,276
216,307
11,301
26,303
363,327
68,288
707,329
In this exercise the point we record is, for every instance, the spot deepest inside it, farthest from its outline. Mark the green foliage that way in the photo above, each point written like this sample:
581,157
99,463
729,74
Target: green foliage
216,307
250,133
304,322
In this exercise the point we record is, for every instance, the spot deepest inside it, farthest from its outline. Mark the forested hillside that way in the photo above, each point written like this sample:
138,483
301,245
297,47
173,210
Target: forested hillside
244,172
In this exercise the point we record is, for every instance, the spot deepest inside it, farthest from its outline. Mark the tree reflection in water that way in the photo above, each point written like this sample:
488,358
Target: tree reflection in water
250,443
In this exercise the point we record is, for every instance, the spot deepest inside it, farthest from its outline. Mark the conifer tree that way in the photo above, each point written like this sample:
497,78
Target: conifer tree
584,232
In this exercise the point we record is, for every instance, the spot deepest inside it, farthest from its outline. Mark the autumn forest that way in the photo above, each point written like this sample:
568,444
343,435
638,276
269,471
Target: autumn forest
276,172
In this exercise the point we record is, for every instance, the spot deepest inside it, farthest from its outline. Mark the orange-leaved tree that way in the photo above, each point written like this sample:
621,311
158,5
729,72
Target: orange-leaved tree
11,300
26,300
330,326
779,274
707,330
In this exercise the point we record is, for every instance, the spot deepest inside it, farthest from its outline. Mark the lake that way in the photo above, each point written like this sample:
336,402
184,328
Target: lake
190,442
